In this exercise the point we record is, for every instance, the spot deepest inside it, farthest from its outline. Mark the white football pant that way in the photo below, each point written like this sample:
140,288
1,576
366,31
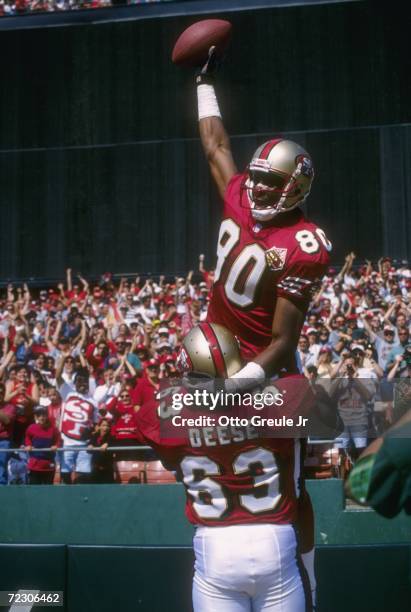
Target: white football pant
247,568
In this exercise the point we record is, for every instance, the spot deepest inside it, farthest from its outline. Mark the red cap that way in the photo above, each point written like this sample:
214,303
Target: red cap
151,362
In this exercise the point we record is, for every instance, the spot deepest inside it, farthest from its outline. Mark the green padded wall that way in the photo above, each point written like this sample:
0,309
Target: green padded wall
155,579
154,515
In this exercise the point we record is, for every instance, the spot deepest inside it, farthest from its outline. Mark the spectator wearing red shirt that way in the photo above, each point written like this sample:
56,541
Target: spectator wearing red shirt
124,428
74,293
147,385
40,435
97,354
170,315
7,417
23,394
54,408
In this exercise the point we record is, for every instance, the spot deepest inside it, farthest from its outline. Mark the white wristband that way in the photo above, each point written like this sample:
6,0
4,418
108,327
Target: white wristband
207,102
247,378
251,370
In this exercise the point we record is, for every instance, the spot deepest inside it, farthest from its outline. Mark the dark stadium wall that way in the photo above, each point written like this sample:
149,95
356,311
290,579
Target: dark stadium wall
101,168
157,578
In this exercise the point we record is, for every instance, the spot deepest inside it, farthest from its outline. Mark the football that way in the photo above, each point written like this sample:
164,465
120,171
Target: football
191,48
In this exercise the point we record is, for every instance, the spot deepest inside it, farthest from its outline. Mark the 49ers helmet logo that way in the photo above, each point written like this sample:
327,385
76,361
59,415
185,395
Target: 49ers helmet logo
306,168
183,362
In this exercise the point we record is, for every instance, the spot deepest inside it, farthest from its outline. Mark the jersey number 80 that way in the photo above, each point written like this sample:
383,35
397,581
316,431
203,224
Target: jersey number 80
247,269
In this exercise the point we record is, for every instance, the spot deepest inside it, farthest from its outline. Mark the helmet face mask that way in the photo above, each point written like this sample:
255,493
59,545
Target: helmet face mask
279,179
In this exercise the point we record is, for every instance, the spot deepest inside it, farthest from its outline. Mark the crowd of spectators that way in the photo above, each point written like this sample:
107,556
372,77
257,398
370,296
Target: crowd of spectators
111,342
23,7
355,344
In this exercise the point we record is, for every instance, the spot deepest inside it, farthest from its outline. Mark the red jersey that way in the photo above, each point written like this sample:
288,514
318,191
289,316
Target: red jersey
42,437
54,412
22,403
6,431
78,415
126,426
143,392
21,398
76,296
231,475
256,264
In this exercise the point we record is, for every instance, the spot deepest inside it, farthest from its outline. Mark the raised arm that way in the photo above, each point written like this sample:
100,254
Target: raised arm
85,284
26,296
83,335
214,138
368,328
10,293
56,334
394,370
69,280
347,265
389,313
5,362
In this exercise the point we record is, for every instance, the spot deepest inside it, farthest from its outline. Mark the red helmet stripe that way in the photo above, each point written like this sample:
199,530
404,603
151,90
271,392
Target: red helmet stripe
215,349
268,148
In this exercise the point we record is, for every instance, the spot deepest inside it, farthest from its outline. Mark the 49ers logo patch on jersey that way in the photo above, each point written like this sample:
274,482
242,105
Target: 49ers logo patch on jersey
275,258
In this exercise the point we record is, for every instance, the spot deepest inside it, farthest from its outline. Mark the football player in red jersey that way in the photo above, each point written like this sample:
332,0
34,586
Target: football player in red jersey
270,258
241,491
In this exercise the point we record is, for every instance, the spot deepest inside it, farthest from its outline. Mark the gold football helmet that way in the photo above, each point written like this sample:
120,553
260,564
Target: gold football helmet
279,178
210,349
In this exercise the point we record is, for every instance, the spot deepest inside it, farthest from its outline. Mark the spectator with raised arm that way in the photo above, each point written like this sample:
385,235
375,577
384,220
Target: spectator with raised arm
23,393
353,395
383,344
208,275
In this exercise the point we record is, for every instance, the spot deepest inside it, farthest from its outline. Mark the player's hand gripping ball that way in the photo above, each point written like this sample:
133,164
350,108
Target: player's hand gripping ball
192,46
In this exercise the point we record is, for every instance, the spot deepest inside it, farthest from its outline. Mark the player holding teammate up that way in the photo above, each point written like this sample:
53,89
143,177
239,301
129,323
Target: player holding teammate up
241,490
270,258
242,493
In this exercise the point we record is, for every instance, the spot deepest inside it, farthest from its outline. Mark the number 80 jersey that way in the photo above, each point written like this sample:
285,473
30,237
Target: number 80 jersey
257,263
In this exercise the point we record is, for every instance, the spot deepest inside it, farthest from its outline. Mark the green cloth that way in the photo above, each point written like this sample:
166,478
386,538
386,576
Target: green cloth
134,360
359,481
383,480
